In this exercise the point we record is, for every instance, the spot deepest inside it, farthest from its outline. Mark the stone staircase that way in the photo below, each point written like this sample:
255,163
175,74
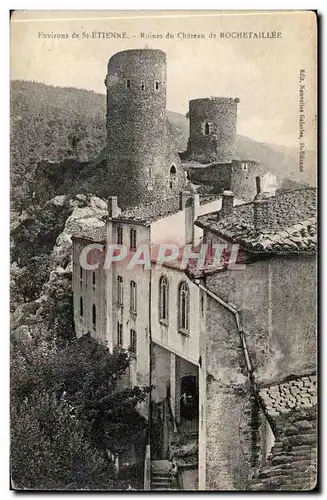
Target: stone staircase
161,476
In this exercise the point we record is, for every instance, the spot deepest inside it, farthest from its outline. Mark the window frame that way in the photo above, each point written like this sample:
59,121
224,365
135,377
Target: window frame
120,338
120,236
133,297
132,239
163,283
184,318
133,342
94,316
120,291
172,176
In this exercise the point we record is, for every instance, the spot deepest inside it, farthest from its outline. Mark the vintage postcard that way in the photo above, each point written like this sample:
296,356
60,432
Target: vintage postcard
164,250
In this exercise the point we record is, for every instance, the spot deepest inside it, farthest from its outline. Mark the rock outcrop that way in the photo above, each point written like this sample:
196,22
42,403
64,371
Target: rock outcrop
85,211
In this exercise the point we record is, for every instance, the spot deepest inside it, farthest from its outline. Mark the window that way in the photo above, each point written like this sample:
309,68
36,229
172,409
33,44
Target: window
93,279
163,299
157,85
142,85
120,291
133,239
133,297
128,84
81,274
210,249
172,176
119,333
183,307
81,309
206,129
150,183
94,316
133,342
119,235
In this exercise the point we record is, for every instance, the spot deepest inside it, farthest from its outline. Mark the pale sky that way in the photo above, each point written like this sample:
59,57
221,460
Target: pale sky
263,73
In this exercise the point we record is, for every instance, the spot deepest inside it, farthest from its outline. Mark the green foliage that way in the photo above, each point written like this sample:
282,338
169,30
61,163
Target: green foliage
26,282
66,410
36,234
51,124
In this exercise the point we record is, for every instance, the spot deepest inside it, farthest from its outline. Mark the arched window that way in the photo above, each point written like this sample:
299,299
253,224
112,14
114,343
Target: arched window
206,129
133,297
183,307
94,316
172,176
163,299
81,309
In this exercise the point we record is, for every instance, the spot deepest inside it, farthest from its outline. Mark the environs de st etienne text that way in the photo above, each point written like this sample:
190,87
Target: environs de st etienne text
106,35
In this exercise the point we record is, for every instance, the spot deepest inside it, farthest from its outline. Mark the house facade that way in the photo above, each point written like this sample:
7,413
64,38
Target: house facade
229,351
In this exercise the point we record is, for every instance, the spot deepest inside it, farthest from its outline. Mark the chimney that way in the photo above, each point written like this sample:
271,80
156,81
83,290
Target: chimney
113,208
261,213
258,183
189,202
227,204
185,199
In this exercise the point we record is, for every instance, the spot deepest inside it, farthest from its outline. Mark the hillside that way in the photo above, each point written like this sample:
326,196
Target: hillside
55,124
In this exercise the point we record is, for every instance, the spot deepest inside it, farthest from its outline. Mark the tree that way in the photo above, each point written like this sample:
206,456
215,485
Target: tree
66,412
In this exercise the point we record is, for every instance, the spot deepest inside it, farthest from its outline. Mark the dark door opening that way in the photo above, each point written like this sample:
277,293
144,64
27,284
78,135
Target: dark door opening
189,398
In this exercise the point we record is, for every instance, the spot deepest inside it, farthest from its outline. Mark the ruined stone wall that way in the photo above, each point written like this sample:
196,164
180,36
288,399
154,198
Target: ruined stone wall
217,175
238,176
139,152
243,178
217,142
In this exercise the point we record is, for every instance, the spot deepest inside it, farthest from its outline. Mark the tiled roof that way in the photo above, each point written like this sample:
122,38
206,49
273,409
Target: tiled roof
150,212
292,224
291,463
282,398
96,234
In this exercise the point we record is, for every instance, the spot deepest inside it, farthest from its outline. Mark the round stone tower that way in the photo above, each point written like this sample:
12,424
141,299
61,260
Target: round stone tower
142,167
213,123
